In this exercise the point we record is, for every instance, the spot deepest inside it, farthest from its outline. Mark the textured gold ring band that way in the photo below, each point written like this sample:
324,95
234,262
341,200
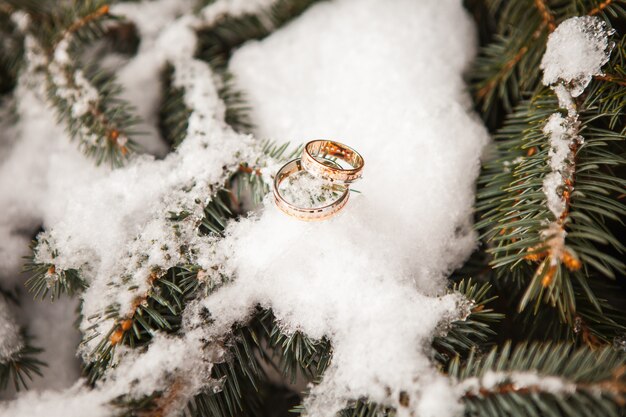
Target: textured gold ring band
301,213
316,150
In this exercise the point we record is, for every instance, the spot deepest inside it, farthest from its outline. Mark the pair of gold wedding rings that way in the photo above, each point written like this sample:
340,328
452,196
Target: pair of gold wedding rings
319,158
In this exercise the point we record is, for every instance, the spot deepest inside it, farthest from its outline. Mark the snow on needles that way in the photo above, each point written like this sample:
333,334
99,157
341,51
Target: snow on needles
576,51
385,78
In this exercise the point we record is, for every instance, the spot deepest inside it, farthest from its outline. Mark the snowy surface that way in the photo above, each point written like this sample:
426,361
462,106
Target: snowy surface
576,51
396,95
385,78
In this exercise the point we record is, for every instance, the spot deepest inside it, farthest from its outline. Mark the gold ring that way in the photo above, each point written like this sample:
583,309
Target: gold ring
301,213
316,150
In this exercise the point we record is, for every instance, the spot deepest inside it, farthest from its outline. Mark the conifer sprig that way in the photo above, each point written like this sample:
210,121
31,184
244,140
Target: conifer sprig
86,98
548,379
21,367
475,330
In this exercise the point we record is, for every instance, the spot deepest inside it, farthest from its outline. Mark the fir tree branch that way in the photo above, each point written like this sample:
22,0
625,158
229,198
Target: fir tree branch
600,7
85,98
514,213
549,379
160,308
46,277
11,51
546,15
475,330
21,367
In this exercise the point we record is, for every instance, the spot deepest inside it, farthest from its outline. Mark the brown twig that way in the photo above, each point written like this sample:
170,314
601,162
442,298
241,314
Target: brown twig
612,79
102,11
249,170
546,14
615,385
600,7
484,91
125,324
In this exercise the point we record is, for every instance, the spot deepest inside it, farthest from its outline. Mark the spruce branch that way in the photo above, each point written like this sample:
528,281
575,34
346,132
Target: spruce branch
11,51
173,113
160,308
514,213
507,68
475,330
249,176
240,376
21,366
86,98
217,41
542,379
46,277
597,321
297,353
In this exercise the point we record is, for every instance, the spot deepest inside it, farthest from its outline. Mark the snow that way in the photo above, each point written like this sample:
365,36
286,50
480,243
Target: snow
304,190
576,51
10,339
562,133
377,271
219,8
532,381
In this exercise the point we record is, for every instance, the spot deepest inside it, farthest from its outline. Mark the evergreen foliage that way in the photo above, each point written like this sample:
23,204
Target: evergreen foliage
517,294
588,382
511,202
21,367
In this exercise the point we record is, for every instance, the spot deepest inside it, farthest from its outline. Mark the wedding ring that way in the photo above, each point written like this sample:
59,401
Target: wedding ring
307,214
315,150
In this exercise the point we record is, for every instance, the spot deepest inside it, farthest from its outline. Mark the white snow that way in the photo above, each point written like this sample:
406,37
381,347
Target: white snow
394,92
10,339
304,190
385,78
576,51
532,381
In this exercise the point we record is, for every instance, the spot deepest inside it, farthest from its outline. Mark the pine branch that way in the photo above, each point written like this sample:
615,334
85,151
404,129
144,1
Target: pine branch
11,51
160,308
241,377
217,41
173,113
597,321
297,353
475,330
548,379
86,98
237,111
514,212
249,177
46,278
21,367
365,408
507,67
